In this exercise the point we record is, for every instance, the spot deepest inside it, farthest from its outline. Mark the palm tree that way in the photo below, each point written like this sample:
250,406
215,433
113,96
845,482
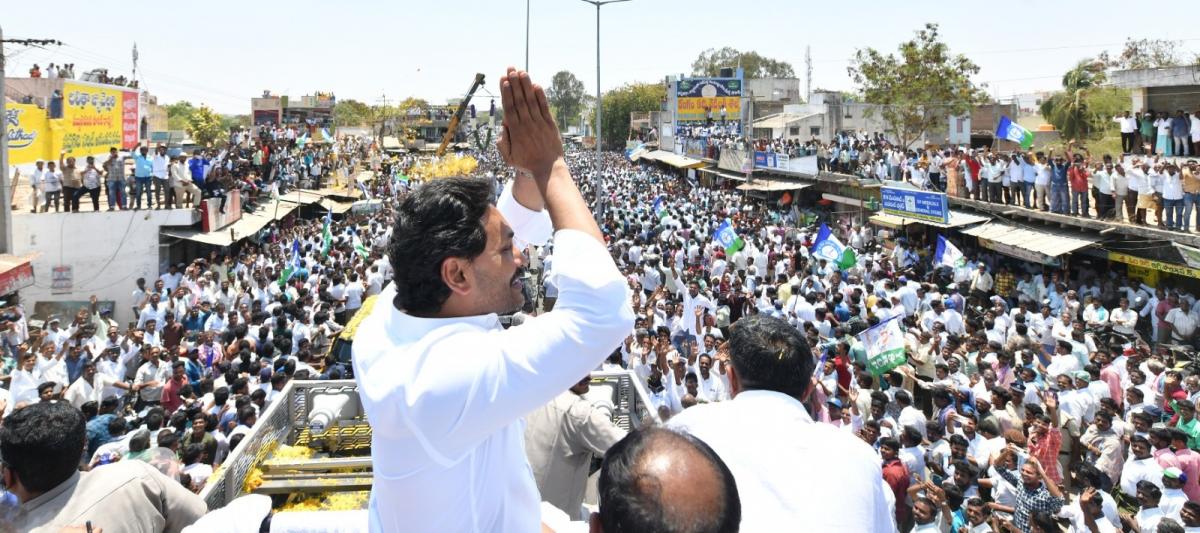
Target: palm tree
1068,110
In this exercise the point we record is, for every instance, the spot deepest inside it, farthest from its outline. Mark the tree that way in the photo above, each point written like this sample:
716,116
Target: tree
177,115
619,103
918,89
710,62
566,96
1085,107
1144,53
205,127
350,112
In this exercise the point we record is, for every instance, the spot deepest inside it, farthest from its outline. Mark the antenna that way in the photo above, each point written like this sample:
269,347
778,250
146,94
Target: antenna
807,73
135,60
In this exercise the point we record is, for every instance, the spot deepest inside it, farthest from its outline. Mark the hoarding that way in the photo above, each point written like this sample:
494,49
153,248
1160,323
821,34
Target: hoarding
916,204
696,98
92,119
28,133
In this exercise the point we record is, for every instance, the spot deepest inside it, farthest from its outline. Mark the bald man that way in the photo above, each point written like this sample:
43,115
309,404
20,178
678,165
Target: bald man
644,473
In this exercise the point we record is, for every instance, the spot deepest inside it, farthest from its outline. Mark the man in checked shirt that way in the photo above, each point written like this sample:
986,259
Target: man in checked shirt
1037,493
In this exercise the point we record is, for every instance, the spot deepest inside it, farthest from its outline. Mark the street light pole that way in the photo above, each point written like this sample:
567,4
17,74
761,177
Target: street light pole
599,99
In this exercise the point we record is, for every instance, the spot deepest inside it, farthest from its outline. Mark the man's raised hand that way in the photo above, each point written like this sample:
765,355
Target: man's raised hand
530,141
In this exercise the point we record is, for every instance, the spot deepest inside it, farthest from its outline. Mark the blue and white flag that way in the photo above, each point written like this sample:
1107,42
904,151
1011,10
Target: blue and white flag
947,254
828,247
1014,132
660,208
728,238
366,193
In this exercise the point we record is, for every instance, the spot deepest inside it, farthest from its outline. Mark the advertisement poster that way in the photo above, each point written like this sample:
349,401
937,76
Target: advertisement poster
129,119
92,119
27,133
698,98
916,204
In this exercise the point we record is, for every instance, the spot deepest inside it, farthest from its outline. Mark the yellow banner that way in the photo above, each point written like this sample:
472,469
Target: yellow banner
91,122
699,107
28,133
1170,268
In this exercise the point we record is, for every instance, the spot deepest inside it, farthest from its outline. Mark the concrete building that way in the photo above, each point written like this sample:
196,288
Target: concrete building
771,95
93,253
822,117
1161,89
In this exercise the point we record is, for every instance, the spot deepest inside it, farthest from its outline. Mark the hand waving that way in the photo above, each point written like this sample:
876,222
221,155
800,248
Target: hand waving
530,141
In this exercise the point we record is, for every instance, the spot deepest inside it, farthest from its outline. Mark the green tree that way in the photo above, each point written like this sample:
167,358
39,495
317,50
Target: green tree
918,89
619,103
205,127
350,113
177,115
566,96
1144,53
1085,107
710,62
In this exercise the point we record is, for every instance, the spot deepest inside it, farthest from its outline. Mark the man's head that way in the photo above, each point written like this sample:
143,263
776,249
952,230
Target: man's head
769,354
41,445
453,252
644,473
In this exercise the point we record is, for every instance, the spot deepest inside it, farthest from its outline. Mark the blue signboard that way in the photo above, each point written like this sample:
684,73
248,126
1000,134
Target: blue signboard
916,204
764,159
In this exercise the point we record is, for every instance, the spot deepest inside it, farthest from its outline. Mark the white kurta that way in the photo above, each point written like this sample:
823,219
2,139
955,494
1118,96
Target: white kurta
445,396
789,469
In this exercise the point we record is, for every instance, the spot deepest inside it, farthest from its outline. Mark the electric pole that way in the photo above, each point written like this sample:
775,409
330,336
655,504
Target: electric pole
807,73
5,201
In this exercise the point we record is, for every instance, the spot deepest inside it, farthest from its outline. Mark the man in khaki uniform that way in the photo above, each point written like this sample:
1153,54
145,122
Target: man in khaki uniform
41,445
560,439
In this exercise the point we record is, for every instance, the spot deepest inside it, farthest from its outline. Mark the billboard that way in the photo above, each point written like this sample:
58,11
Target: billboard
696,97
28,133
129,120
93,119
916,204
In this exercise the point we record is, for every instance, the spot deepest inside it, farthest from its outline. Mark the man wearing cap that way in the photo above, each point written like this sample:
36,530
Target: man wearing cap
1173,496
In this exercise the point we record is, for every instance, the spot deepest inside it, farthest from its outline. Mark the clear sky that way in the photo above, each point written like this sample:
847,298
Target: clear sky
222,53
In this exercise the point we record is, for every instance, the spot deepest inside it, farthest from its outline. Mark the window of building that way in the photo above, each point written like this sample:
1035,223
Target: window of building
794,131
815,131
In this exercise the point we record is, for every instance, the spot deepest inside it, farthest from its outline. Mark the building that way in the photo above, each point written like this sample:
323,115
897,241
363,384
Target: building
313,110
822,117
1161,89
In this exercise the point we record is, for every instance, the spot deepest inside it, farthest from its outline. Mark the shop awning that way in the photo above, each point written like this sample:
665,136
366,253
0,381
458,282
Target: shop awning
248,225
957,219
1029,244
673,159
301,197
761,184
335,206
724,174
16,272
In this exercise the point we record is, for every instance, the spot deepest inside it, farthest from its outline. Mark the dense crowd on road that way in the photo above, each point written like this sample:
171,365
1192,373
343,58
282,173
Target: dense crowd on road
1031,398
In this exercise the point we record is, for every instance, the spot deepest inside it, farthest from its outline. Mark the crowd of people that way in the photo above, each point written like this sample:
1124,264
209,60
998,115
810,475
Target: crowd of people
1030,398
260,167
1148,183
1010,365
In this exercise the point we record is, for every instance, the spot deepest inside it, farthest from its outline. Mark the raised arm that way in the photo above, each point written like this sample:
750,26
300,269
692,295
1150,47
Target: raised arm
532,144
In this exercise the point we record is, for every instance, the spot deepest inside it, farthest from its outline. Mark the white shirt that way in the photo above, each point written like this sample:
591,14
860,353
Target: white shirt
81,392
449,434
777,452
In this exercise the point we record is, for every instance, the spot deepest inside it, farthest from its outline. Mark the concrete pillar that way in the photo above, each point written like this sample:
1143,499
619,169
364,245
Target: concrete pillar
1140,99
